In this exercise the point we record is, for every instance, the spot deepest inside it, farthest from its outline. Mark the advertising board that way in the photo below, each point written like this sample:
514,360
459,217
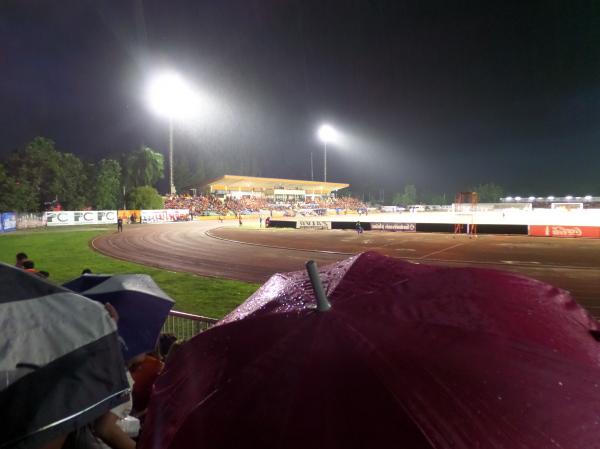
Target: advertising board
564,231
30,220
313,224
130,216
395,227
165,215
9,222
84,217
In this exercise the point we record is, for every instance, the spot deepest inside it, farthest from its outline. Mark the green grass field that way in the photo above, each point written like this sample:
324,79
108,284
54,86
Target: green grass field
65,252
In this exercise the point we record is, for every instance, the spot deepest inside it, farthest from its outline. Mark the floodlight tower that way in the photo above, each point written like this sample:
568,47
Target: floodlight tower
171,97
327,134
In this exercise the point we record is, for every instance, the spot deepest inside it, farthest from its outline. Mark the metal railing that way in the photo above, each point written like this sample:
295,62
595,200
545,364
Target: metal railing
185,325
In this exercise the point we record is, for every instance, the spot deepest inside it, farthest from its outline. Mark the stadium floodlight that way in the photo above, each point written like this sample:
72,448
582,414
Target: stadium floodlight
532,198
327,134
551,198
569,197
588,197
509,198
170,96
517,198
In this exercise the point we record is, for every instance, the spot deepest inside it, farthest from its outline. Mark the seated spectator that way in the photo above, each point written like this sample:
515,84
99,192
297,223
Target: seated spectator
21,257
29,265
86,271
144,374
106,428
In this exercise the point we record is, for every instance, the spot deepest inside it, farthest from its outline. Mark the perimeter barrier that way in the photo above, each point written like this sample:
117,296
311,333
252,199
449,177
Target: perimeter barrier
185,325
413,227
481,228
282,224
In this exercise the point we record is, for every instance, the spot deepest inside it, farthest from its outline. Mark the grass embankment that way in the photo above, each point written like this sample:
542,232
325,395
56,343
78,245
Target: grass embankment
64,253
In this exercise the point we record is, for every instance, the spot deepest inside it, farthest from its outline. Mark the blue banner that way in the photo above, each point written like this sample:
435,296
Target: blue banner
9,221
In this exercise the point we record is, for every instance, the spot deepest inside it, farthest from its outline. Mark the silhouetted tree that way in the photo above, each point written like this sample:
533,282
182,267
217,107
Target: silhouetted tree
108,185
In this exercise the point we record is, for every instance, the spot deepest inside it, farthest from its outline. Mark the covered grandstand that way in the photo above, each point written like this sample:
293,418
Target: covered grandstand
273,189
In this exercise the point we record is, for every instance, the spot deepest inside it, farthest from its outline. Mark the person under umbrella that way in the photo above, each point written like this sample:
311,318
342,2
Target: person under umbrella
60,361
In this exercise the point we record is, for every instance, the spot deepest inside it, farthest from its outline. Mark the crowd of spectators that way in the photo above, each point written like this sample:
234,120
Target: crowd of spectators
210,204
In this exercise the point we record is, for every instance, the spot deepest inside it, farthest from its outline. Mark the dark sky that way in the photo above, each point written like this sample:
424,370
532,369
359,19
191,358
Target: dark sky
444,95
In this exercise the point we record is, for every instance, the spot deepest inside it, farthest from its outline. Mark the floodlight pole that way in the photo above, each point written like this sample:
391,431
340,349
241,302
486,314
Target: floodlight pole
312,177
325,161
173,192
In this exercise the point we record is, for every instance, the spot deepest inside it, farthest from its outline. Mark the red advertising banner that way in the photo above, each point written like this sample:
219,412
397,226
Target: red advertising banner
564,231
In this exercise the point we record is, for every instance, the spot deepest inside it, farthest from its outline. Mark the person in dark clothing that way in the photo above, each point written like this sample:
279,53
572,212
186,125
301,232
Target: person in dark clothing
86,271
29,265
359,228
119,224
21,257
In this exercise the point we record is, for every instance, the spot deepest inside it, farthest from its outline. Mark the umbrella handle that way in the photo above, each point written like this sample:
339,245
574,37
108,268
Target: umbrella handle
323,304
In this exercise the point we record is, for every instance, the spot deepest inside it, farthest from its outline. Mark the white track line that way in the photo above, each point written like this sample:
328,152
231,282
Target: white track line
440,251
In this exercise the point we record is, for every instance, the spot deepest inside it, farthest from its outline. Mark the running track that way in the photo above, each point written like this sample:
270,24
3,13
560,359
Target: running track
211,249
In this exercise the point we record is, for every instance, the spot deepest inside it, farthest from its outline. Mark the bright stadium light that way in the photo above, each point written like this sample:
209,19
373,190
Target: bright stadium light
327,134
509,198
532,198
569,197
517,198
588,197
171,97
551,198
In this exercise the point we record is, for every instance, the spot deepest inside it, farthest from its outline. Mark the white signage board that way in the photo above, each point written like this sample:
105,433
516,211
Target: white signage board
80,217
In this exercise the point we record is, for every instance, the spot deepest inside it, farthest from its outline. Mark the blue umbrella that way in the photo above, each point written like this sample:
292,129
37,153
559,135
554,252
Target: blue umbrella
142,306
85,282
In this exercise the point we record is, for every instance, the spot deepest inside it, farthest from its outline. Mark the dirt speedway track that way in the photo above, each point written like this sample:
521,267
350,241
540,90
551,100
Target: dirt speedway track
211,249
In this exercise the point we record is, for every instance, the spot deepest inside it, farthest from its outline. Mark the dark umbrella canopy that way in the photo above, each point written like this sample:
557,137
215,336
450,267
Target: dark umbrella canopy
85,282
60,360
142,306
409,356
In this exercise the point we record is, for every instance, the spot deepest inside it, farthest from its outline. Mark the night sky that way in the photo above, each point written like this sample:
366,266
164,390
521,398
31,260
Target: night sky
445,95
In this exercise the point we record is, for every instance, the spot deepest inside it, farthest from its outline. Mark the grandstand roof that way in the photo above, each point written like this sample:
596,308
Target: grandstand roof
234,182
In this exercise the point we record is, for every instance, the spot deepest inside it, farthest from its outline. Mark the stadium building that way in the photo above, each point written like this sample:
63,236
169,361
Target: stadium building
273,189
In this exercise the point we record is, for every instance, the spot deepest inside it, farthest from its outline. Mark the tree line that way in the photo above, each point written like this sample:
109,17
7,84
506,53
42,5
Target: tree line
40,176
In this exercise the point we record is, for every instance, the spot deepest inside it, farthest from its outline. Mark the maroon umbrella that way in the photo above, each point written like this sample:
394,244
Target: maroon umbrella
409,355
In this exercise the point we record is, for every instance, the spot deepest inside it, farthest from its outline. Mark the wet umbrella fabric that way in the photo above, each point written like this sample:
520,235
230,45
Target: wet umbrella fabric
142,306
85,282
409,356
60,360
